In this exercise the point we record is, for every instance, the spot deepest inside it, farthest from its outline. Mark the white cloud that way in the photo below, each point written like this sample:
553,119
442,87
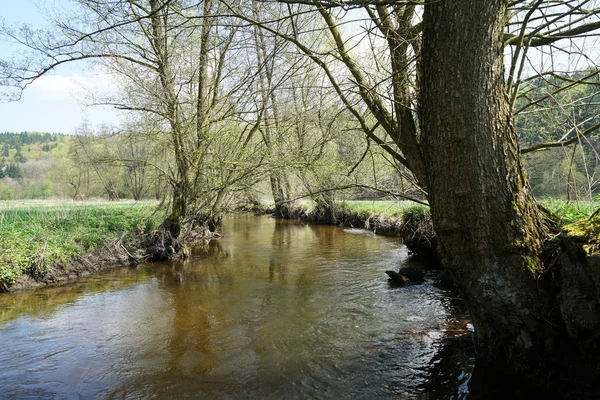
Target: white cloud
53,87
57,103
78,86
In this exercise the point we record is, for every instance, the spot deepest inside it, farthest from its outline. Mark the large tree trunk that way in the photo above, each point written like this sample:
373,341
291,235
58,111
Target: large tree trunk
488,225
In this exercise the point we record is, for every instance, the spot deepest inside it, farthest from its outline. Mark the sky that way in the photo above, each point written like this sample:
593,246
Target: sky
55,102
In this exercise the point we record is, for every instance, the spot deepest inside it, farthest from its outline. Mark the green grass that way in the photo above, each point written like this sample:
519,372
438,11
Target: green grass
566,211
569,211
384,207
36,235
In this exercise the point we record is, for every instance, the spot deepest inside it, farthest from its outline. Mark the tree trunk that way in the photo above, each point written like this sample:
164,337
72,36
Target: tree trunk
174,222
489,228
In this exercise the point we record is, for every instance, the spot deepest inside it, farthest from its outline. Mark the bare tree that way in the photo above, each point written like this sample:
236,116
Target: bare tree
433,96
179,64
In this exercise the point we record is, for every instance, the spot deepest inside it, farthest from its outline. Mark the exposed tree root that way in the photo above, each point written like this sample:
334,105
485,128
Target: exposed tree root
563,354
159,245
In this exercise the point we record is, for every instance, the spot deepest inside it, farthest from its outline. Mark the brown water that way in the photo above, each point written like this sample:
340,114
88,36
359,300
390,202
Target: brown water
275,309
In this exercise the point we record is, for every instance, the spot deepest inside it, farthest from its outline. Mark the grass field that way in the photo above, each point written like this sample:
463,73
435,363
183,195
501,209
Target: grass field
37,234
570,211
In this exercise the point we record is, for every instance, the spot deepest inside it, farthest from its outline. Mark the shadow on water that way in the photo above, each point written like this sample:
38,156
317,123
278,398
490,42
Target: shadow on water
275,309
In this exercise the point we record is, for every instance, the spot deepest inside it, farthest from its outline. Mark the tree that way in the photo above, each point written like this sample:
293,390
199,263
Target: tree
438,104
181,67
485,217
13,171
269,107
94,151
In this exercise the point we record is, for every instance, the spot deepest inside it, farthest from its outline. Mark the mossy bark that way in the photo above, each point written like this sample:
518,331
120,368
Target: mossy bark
490,231
174,222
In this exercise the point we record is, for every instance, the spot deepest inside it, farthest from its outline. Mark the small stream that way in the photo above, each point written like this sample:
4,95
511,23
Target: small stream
275,309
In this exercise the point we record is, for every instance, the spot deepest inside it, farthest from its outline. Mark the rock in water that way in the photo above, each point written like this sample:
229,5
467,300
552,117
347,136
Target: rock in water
413,273
395,278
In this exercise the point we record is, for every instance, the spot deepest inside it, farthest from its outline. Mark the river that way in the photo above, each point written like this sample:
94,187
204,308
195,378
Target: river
274,309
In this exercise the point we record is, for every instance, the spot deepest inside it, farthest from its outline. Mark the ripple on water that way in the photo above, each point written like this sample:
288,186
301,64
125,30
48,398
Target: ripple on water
275,310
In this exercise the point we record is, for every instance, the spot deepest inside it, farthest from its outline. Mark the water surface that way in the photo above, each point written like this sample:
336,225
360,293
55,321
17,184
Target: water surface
275,309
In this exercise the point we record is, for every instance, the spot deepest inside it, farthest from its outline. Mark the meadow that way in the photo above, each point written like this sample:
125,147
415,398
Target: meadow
565,211
37,234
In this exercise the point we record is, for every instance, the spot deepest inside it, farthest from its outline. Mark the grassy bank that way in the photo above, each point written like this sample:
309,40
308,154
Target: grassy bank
36,236
411,222
384,207
407,220
567,212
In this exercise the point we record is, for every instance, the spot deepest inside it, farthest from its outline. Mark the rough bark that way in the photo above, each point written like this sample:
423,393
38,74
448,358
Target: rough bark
489,229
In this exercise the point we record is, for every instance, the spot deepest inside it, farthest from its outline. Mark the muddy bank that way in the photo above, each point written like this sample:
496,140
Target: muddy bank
112,255
414,227
158,246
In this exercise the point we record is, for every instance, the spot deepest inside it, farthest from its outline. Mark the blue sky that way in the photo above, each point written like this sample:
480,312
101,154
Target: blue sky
56,102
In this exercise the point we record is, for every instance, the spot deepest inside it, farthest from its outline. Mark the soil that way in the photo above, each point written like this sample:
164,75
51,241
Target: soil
112,255
159,246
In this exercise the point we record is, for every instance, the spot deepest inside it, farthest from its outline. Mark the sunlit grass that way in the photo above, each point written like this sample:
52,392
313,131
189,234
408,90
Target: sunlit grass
569,211
383,207
566,211
35,234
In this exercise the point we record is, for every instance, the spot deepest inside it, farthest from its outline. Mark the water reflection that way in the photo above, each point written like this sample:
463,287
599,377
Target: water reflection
275,309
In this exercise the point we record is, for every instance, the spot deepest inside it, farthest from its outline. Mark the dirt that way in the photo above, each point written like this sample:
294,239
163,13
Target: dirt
112,255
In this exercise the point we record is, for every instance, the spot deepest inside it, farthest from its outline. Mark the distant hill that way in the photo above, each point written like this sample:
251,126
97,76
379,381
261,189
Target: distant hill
31,146
29,164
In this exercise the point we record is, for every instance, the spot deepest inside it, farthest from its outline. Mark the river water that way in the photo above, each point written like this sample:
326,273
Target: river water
275,309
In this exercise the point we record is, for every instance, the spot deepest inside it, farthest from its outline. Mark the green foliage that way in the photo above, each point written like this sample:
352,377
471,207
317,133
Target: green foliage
45,165
389,207
7,276
18,139
11,170
586,231
5,192
41,189
35,237
19,157
569,211
417,211
554,116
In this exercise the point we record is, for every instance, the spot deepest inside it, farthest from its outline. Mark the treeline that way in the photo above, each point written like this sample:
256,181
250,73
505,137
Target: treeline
295,143
17,139
41,165
131,163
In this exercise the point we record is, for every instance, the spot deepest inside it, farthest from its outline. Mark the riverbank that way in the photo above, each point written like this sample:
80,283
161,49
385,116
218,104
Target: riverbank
407,220
46,242
411,222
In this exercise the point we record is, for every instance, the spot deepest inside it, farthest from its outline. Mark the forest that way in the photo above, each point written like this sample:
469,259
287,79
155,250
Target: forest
475,110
